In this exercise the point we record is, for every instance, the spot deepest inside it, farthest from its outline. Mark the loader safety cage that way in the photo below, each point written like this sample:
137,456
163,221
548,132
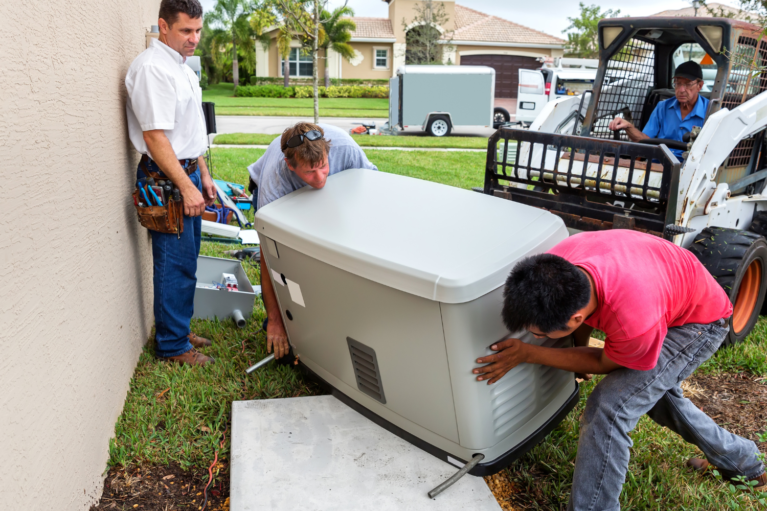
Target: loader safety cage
591,183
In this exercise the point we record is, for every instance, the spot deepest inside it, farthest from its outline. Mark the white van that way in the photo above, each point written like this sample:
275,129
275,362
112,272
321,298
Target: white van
557,78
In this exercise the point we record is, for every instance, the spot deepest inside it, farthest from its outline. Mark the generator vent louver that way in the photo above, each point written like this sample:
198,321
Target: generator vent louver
365,365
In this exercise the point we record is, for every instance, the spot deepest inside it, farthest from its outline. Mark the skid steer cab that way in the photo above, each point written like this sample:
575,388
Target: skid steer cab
711,200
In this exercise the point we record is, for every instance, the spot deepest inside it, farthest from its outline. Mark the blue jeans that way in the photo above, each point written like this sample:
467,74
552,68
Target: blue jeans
175,269
623,396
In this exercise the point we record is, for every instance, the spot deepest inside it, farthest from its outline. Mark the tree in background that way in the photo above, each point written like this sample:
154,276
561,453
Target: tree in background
294,20
229,23
261,19
425,37
583,42
337,35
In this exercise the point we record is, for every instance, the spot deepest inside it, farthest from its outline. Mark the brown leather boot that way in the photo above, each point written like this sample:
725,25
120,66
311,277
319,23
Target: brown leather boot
192,357
199,342
701,465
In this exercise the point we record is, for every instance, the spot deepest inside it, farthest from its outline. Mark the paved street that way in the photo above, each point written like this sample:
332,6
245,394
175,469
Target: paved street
276,125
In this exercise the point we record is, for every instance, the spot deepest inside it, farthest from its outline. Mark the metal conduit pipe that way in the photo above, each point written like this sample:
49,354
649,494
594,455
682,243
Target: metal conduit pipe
239,319
455,477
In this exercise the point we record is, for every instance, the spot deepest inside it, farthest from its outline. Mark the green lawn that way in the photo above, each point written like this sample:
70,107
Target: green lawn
179,415
227,104
366,141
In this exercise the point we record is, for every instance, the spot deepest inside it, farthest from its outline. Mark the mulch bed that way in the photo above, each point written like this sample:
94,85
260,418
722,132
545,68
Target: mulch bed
737,402
151,488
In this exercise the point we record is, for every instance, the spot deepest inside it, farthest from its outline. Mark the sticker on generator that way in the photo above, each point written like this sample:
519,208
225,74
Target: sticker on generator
295,293
277,278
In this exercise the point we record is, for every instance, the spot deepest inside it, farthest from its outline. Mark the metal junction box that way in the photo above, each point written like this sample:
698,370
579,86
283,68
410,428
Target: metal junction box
210,302
391,287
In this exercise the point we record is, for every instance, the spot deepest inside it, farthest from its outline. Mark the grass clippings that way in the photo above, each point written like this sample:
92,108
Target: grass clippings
162,488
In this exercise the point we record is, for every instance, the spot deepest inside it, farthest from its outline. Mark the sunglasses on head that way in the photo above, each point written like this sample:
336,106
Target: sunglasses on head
299,139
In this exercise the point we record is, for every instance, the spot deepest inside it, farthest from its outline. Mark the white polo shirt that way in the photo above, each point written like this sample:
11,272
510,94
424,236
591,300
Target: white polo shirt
164,94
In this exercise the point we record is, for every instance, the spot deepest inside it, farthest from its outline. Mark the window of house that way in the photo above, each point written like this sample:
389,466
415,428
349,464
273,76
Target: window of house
382,58
301,64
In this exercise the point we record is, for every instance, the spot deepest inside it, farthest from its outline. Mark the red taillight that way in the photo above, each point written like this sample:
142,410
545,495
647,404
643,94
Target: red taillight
547,91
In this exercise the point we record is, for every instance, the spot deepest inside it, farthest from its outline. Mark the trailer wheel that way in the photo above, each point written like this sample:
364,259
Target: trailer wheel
439,126
738,262
500,116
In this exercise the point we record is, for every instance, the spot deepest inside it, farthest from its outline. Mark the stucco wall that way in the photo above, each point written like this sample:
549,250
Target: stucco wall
365,68
75,306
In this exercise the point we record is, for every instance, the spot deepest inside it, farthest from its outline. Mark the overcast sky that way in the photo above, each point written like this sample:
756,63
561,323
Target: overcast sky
548,16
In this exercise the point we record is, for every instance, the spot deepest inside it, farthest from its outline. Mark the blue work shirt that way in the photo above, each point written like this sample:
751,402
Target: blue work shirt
666,121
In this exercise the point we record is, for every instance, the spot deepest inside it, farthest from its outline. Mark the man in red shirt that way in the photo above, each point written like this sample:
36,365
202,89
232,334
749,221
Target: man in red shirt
663,316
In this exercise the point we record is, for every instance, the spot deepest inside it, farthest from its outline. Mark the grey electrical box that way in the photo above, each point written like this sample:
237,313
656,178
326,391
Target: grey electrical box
211,302
391,287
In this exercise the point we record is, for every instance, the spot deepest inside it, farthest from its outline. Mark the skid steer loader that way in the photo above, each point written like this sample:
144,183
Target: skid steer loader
712,202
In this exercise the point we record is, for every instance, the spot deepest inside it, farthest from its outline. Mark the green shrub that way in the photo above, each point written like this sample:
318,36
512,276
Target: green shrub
355,91
204,81
308,92
264,91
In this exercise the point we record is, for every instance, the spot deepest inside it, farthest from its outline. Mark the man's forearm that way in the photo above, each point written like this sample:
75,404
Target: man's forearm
635,135
576,360
162,153
268,295
203,166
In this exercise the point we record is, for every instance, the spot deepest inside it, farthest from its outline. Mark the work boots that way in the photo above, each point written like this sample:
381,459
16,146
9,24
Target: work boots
701,465
192,357
199,342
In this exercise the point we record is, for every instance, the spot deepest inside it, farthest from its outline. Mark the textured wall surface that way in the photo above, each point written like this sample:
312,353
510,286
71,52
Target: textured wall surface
75,299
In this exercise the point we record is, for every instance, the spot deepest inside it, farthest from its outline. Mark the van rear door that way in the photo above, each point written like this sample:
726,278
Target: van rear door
531,97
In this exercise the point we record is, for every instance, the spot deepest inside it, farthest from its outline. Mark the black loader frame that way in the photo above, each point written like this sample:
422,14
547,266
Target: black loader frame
591,183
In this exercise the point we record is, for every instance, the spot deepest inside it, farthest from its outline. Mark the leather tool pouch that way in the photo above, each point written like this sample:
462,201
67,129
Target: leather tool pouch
168,218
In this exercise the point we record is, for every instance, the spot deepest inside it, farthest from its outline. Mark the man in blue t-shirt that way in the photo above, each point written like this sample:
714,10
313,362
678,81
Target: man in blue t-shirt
673,117
305,155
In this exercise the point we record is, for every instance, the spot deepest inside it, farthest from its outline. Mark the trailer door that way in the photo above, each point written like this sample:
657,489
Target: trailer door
393,102
531,95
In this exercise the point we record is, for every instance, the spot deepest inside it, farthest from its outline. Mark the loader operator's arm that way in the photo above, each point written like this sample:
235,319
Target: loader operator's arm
275,329
634,134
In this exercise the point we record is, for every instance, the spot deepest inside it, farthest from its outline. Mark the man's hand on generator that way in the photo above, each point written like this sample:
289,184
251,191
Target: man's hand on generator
276,337
511,353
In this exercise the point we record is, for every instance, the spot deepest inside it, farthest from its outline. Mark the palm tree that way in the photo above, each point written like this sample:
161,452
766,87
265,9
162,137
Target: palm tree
337,35
229,20
261,19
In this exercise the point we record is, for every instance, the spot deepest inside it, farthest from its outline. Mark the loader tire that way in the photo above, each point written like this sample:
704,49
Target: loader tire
738,262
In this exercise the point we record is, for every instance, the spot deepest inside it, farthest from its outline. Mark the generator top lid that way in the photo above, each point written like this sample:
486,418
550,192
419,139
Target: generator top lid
427,239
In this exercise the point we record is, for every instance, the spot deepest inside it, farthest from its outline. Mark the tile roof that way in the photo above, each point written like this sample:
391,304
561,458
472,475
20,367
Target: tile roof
374,28
471,25
477,26
708,11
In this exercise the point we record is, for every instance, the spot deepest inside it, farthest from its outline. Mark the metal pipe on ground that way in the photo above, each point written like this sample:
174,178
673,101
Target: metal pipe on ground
455,477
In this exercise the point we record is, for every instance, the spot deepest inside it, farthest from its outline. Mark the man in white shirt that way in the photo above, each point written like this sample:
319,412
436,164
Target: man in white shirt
166,125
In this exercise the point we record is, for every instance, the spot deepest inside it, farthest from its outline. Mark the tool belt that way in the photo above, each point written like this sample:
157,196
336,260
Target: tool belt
168,218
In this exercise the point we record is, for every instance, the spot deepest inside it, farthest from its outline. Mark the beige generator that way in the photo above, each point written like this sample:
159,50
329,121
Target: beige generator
391,287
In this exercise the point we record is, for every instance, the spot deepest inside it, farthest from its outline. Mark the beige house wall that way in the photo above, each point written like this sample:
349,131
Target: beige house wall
365,67
404,10
76,301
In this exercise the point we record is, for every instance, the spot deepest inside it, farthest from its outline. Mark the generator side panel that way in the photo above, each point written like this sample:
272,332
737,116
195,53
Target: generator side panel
467,97
493,419
360,335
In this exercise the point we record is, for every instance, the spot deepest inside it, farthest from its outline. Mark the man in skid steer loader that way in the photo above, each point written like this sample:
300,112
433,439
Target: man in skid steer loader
662,319
673,117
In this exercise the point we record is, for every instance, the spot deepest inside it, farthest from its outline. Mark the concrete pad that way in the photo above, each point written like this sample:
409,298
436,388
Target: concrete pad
316,453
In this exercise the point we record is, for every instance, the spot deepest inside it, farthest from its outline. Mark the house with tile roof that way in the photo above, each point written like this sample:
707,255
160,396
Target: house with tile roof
471,38
710,10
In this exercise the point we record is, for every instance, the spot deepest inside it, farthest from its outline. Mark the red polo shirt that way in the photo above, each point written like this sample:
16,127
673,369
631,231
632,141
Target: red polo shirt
644,286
